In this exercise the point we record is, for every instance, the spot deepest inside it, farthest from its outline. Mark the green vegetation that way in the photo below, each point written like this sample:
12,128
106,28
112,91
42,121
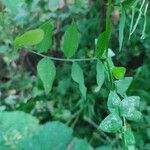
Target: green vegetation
74,75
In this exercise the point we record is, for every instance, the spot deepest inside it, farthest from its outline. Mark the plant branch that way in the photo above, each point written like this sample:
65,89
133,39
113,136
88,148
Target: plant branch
63,59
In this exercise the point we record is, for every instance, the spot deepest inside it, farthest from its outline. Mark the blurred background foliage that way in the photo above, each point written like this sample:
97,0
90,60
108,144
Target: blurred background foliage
21,89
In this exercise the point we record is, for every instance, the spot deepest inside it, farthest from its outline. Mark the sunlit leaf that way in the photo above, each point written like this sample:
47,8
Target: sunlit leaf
71,40
47,71
118,72
111,124
29,38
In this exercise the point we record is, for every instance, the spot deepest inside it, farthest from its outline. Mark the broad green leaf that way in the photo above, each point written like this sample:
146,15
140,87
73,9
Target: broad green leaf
128,137
111,124
113,102
29,38
46,43
100,76
79,144
123,85
118,72
77,76
47,72
71,40
14,126
122,28
51,136
128,108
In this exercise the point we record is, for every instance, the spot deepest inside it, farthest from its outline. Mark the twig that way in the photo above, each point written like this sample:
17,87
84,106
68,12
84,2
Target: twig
63,59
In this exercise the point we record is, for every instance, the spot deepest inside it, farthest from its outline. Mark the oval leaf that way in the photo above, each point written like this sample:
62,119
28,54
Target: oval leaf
47,72
77,76
113,102
119,72
133,115
123,85
29,38
128,108
111,124
46,43
71,40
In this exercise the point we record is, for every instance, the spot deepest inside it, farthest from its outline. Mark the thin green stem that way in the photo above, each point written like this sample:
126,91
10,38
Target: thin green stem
108,22
108,14
63,59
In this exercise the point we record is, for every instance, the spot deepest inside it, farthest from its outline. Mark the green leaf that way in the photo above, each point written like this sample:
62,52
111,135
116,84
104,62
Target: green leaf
47,72
29,38
113,102
128,3
134,115
79,144
132,101
111,124
123,85
121,28
77,76
14,126
118,72
128,108
100,76
51,136
128,136
71,40
102,43
46,43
